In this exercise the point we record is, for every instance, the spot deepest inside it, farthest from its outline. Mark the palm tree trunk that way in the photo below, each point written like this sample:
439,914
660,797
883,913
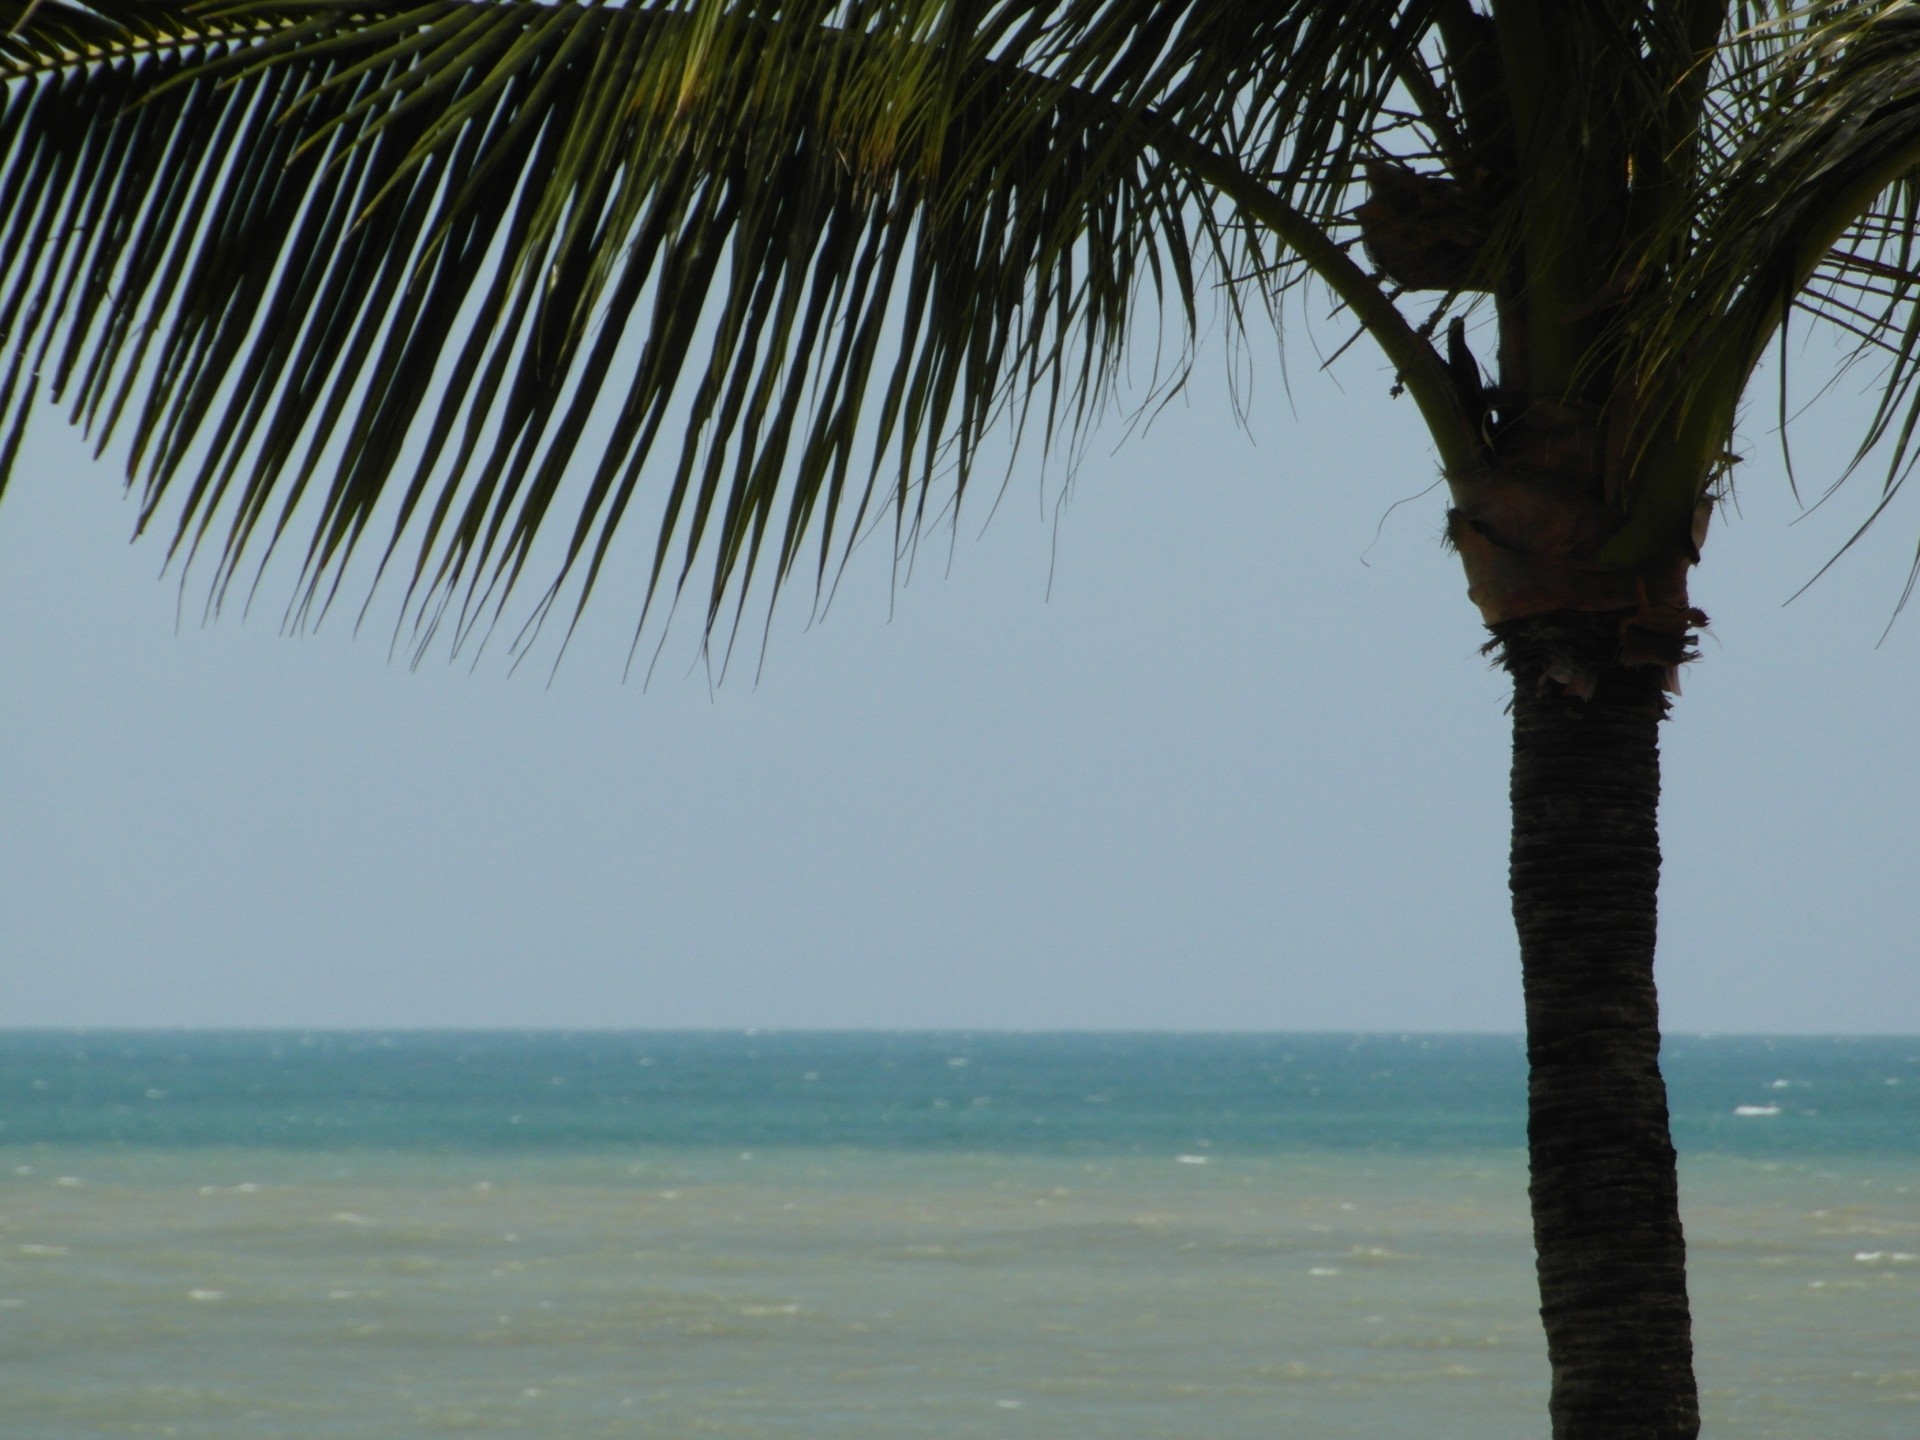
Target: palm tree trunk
1585,870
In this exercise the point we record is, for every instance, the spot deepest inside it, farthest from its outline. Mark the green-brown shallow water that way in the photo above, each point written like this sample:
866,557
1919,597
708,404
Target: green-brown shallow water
955,1236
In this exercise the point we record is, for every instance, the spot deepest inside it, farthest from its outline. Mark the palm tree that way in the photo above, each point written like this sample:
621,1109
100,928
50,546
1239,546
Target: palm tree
776,271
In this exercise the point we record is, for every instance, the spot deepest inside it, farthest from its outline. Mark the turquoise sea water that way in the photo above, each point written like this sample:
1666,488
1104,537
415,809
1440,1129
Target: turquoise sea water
812,1236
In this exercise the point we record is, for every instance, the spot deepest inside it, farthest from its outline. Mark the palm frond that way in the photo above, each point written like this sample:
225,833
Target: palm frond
1802,200
777,266
282,260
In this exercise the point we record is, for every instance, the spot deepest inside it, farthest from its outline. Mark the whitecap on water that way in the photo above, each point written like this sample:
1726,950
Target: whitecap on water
1756,1109
1366,1253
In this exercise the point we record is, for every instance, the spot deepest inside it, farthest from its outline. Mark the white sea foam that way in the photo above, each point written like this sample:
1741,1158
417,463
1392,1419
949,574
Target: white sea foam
1756,1109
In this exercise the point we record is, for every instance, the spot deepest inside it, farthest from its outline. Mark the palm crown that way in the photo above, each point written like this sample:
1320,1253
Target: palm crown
276,242
753,275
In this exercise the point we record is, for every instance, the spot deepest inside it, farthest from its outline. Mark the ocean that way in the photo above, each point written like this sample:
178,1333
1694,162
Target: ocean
343,1236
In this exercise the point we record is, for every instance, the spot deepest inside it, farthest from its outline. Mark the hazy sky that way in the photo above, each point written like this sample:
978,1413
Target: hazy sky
1242,768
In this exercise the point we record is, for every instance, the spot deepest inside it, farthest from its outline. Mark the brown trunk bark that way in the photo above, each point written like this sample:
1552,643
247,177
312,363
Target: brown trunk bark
1585,868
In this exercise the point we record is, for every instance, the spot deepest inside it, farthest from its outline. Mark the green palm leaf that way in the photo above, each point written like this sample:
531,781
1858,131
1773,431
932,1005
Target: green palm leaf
1805,203
348,256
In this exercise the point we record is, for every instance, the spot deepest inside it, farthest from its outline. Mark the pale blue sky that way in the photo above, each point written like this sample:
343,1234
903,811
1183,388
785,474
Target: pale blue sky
1243,767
